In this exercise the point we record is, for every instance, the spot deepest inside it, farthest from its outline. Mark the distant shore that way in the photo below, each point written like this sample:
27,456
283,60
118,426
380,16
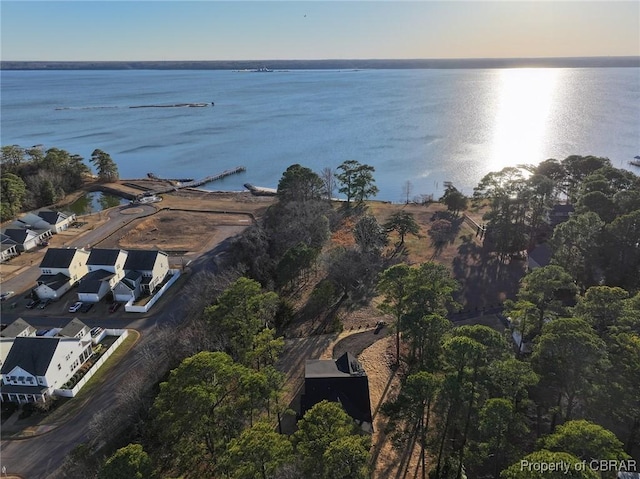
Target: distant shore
355,64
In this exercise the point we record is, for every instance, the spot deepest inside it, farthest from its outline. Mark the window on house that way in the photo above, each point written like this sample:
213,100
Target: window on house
21,379
30,380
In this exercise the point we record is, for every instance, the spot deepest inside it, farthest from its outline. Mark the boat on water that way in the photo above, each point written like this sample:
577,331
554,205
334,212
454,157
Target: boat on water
262,70
635,162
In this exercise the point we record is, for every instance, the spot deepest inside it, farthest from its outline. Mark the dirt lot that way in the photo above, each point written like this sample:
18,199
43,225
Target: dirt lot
187,220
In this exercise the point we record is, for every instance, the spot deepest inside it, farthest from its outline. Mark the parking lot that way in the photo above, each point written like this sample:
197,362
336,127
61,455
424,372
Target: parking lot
26,306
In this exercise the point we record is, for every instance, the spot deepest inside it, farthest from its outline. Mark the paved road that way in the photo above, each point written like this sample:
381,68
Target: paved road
40,457
116,218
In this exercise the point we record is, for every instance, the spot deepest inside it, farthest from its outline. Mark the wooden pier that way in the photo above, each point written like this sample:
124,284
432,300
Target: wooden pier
209,179
196,183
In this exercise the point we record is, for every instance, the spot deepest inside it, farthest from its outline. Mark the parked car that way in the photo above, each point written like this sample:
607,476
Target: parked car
86,307
75,306
33,303
44,304
6,295
379,326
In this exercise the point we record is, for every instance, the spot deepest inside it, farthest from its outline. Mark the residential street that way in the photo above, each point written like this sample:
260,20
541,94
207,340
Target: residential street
41,456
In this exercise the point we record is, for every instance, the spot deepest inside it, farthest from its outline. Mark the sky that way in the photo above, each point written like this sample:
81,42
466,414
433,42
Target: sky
284,30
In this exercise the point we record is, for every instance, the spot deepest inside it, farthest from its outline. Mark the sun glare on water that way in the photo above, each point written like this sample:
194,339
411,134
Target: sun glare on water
524,101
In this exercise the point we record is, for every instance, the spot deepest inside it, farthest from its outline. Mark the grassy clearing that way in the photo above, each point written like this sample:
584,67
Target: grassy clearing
73,405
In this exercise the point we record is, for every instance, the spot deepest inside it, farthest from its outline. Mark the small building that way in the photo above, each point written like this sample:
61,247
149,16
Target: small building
25,238
342,380
560,213
8,248
95,285
129,288
57,220
76,329
19,328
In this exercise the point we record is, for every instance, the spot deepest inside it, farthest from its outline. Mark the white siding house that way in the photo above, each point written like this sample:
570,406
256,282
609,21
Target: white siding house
56,220
152,264
106,269
26,238
35,366
60,269
8,248
17,329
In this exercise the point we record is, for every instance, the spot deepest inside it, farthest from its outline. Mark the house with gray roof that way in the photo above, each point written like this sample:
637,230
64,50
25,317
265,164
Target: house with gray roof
76,329
18,329
60,269
106,269
153,265
57,220
36,366
26,238
8,248
96,285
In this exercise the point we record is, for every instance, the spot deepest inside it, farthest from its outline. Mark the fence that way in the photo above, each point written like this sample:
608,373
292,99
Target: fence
129,307
123,333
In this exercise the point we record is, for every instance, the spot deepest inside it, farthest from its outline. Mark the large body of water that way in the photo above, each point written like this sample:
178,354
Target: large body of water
422,126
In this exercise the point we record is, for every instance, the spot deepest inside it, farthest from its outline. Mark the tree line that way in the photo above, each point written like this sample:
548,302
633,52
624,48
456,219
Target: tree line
35,177
599,242
475,402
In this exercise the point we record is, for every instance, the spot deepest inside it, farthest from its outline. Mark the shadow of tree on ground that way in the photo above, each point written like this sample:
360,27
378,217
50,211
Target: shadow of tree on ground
485,280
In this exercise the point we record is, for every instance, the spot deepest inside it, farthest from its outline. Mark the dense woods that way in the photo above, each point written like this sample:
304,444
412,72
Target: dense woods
475,400
34,177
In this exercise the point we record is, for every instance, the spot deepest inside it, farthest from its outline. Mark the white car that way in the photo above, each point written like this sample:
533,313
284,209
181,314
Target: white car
75,307
6,295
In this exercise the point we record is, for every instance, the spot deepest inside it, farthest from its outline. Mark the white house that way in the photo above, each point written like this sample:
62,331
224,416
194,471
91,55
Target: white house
18,328
8,248
26,238
106,270
56,220
152,264
129,288
60,269
76,329
35,366
111,260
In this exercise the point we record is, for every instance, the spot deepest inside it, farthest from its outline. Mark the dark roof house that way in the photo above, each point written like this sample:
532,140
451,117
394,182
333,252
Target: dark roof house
58,258
342,380
141,260
104,257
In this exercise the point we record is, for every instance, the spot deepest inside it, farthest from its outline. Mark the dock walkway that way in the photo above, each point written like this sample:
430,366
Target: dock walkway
195,183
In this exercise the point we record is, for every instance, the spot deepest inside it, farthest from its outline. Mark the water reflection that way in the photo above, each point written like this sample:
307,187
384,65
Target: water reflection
525,100
95,201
